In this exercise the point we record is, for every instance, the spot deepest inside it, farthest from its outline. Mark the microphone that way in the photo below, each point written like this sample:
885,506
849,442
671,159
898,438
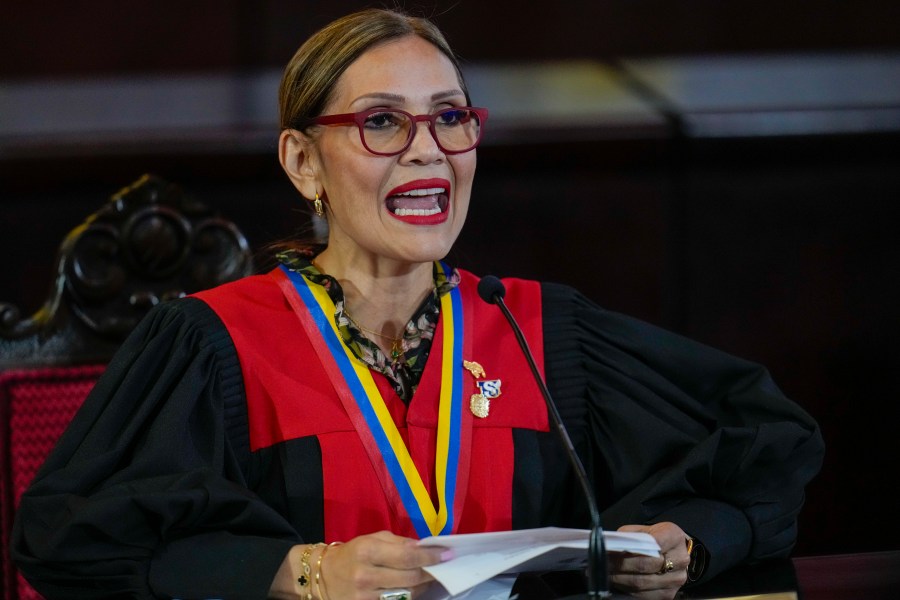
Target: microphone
493,291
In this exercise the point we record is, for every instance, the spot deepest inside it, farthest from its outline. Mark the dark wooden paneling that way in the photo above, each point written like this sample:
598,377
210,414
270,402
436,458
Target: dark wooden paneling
795,266
105,36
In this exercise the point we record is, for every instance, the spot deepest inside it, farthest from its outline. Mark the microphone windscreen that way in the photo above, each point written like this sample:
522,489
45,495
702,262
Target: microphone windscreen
491,289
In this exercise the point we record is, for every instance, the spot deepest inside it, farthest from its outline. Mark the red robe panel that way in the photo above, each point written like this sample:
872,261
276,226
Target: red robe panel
289,395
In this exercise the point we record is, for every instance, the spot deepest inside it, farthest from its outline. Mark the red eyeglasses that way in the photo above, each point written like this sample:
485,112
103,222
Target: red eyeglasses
387,132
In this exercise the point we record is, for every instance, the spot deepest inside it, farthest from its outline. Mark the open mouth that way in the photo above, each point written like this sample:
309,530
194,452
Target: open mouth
420,202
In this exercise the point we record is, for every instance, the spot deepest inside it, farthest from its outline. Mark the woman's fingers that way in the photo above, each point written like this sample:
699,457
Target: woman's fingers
653,577
385,549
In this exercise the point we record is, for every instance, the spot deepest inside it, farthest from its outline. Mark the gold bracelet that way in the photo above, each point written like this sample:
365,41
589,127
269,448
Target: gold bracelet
321,591
304,579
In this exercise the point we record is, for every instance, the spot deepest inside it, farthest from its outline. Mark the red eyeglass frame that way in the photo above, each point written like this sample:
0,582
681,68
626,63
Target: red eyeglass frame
359,119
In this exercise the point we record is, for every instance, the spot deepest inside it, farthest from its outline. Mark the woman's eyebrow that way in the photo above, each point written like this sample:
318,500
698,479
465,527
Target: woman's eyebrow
381,96
443,95
446,94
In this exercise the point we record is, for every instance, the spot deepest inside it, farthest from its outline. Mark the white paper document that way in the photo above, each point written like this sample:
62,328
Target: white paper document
481,556
496,588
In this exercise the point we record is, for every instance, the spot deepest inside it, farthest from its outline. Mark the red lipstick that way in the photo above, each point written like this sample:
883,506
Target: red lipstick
421,184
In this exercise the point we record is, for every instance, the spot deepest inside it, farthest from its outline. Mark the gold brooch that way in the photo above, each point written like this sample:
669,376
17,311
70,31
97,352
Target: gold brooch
480,403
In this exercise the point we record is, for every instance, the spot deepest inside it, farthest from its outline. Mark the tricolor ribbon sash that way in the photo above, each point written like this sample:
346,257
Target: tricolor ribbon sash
363,402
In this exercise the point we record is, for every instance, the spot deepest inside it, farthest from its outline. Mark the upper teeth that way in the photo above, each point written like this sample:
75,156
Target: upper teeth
423,192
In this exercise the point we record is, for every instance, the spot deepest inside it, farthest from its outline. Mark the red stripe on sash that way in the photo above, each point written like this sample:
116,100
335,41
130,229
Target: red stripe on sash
325,358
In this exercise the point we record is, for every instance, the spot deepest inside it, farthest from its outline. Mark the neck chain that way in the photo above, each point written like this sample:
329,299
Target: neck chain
396,342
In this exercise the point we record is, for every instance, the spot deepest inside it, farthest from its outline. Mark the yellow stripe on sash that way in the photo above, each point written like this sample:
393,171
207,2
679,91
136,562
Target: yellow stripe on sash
448,431
445,417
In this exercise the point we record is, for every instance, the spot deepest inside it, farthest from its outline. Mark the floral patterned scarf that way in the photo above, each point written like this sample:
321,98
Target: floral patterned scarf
405,372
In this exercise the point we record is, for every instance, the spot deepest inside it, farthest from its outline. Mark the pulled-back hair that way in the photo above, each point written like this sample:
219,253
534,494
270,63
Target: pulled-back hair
311,75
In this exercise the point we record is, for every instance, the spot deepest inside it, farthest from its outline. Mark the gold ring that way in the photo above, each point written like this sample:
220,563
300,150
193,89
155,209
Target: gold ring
667,567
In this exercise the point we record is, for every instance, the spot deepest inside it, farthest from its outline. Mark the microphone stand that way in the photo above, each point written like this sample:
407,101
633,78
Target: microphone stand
492,291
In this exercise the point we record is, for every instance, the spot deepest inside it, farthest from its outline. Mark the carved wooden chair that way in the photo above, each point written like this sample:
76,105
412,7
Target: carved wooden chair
149,243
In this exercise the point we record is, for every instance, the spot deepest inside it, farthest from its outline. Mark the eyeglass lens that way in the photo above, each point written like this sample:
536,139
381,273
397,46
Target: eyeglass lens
456,130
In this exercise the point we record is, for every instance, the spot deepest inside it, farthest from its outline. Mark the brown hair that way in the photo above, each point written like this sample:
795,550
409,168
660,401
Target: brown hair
311,75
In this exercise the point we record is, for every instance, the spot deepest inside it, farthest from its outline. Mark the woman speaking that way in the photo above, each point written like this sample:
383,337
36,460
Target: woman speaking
293,434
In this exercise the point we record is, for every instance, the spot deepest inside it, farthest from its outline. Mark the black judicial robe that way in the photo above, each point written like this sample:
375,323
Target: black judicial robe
153,490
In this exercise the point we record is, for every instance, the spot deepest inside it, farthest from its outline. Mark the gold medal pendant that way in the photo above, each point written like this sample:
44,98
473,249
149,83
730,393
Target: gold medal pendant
479,405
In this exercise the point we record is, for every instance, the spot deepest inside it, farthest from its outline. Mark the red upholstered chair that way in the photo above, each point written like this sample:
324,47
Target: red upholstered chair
150,242
37,406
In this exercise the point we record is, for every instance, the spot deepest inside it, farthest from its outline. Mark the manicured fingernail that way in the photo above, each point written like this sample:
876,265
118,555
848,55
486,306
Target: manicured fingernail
447,555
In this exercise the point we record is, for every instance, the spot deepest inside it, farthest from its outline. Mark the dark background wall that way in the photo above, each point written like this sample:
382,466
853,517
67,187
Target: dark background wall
104,36
776,245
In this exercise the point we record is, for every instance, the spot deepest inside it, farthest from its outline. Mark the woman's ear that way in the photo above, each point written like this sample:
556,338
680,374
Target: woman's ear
297,156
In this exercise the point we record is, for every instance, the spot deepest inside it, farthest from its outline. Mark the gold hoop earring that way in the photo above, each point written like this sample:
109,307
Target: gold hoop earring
317,205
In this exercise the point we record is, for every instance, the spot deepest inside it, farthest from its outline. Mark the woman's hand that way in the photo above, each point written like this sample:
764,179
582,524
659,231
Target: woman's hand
647,577
369,564
363,568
